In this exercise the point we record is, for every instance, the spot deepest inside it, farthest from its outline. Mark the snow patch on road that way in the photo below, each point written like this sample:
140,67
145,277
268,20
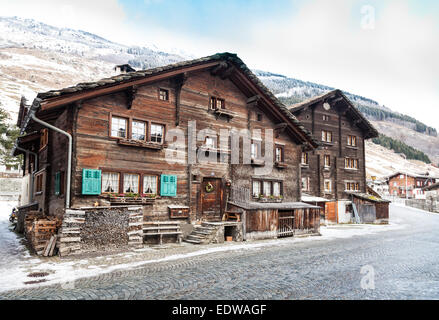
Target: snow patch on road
18,263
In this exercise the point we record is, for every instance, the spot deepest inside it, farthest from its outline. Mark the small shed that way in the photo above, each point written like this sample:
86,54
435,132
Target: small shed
370,208
277,220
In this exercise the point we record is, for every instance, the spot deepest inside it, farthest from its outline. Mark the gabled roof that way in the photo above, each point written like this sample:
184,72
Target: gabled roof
367,127
434,186
88,90
413,175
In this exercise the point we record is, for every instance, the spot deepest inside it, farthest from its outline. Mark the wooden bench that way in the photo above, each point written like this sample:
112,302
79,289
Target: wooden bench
161,228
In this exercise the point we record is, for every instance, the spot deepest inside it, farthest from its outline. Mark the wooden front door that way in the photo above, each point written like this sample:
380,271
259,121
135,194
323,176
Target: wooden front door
211,199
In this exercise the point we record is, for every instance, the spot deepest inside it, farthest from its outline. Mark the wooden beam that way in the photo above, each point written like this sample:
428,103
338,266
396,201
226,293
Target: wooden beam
131,95
179,82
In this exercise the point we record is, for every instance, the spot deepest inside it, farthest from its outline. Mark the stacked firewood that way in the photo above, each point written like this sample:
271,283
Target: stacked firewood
41,233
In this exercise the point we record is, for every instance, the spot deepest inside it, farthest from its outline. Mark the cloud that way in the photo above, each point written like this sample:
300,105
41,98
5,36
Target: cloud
395,62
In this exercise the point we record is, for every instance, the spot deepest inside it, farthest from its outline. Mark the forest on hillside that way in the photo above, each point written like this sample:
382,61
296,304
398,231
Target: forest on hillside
401,147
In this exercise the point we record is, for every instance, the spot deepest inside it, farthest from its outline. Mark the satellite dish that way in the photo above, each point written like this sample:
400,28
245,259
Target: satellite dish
326,106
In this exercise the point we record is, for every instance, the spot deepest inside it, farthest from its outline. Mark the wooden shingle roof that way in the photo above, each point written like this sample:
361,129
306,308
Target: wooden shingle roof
76,93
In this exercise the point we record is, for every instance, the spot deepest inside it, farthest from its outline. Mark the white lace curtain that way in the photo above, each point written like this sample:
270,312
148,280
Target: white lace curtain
110,182
131,183
150,184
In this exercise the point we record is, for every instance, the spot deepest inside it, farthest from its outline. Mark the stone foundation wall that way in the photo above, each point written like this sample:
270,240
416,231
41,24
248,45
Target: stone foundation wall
236,233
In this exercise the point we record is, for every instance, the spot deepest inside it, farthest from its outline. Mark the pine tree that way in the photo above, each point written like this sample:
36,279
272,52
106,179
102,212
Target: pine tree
8,135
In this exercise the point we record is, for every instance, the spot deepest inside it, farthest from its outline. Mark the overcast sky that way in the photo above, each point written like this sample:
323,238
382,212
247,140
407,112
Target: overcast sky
384,50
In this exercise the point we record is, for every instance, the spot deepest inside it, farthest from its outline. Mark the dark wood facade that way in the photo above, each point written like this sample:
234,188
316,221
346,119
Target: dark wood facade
338,165
167,98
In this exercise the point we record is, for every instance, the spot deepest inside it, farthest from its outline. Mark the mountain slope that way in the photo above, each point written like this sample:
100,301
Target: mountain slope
36,57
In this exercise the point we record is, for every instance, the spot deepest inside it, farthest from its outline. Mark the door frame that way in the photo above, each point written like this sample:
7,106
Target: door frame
202,192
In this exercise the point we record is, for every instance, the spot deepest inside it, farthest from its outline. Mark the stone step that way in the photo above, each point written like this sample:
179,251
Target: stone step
201,232
207,230
195,237
192,241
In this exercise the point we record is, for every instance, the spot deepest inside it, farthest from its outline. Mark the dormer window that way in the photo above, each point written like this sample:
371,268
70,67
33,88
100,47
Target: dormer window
216,103
164,94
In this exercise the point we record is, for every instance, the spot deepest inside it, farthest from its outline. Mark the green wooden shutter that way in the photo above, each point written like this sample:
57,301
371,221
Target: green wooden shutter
57,183
91,181
168,185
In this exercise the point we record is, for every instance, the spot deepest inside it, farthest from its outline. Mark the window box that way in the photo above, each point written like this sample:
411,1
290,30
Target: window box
141,144
130,198
258,162
270,199
215,150
281,165
224,113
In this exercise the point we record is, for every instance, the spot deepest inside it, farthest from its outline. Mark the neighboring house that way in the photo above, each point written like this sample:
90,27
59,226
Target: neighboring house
338,167
120,154
432,190
401,183
379,186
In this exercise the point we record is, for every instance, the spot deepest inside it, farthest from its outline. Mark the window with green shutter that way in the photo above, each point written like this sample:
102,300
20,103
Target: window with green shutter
57,183
168,185
91,181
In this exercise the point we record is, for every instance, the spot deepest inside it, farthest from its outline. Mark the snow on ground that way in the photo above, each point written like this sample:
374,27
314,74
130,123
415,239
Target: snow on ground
382,162
16,263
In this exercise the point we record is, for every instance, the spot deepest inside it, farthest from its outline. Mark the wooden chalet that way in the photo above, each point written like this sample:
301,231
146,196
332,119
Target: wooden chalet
410,185
338,167
95,148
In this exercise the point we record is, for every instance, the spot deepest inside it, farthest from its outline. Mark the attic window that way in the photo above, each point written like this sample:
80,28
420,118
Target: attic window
164,94
259,116
216,103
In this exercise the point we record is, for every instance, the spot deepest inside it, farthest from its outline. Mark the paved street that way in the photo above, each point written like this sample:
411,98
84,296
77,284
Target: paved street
405,262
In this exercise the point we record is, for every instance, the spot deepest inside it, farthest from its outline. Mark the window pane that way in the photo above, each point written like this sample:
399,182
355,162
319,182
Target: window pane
157,133
110,182
150,184
256,188
139,129
164,94
278,154
254,151
267,188
276,189
118,127
131,183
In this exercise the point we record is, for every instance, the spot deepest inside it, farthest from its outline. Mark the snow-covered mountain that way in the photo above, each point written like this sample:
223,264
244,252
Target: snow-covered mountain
36,57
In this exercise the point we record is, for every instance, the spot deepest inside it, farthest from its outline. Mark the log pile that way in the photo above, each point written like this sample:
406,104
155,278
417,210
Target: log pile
41,232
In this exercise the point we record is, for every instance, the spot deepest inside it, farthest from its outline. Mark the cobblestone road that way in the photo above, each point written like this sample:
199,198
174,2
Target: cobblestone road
405,262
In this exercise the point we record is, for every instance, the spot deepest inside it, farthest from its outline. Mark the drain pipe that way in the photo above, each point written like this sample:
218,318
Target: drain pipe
69,156
31,184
